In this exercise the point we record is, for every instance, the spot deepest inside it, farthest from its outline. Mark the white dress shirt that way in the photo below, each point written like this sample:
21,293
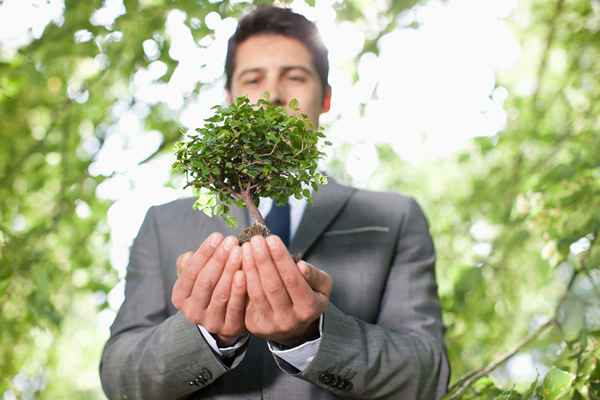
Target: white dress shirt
299,356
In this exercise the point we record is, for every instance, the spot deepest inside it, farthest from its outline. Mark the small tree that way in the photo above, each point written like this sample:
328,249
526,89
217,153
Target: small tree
246,151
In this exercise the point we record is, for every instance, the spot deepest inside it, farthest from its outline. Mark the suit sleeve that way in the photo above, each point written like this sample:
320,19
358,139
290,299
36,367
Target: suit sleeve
149,354
402,356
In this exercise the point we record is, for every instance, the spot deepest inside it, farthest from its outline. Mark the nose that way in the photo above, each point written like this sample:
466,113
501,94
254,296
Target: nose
276,95
278,101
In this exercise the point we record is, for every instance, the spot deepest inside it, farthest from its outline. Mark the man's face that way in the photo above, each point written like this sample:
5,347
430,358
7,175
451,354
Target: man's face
283,67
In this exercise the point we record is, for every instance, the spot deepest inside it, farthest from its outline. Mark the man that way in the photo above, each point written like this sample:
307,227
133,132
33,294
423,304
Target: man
246,322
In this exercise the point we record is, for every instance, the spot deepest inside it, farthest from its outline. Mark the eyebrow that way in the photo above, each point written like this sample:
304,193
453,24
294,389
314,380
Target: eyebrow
284,69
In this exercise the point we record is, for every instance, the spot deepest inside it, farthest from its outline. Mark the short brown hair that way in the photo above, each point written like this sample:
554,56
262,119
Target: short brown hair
280,21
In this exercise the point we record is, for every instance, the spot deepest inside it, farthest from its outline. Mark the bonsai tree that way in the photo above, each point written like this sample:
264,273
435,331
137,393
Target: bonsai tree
246,151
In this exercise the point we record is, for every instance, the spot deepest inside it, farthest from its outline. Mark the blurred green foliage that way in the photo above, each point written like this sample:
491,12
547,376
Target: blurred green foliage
529,196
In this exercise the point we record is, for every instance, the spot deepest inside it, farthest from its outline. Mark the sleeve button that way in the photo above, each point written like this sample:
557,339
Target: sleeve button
206,374
347,386
338,382
326,378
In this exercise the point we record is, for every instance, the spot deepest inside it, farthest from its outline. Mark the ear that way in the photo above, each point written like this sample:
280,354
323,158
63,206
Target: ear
228,96
326,100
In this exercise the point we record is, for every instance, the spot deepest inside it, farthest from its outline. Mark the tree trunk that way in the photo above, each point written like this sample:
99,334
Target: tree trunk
255,215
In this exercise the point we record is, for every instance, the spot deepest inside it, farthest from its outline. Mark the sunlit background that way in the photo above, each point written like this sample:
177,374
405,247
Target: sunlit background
431,88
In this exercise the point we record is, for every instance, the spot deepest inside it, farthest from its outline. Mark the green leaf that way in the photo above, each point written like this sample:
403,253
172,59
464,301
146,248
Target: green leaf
557,384
230,221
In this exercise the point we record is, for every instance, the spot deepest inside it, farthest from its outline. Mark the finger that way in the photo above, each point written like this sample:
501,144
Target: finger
321,284
182,262
318,280
185,283
298,289
209,276
253,285
220,296
234,317
273,287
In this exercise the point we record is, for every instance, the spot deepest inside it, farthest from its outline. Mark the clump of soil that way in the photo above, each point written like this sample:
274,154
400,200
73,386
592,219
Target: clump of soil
258,229
255,229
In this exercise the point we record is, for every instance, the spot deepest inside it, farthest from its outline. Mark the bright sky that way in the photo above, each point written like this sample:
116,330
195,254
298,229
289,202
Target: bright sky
429,91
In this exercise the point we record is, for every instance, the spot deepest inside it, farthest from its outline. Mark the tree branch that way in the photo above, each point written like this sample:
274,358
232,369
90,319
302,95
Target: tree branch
461,385
466,381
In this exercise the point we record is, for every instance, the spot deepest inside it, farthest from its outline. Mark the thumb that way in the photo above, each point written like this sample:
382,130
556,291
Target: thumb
318,280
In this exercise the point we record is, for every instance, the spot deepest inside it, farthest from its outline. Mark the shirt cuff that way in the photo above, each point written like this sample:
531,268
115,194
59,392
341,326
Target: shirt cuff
226,352
300,356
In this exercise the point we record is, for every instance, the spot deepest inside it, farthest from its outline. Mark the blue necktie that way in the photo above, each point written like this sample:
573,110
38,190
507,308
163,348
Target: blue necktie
278,221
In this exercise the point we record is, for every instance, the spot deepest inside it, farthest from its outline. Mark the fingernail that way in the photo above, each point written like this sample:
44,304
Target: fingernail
255,240
272,241
236,253
246,250
214,240
303,268
229,242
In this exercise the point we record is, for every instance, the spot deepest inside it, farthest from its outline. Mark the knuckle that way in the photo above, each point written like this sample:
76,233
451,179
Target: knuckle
206,283
227,331
310,304
248,322
211,326
192,314
285,324
232,329
220,298
235,307
254,328
237,298
221,255
290,280
238,291
187,274
274,289
305,314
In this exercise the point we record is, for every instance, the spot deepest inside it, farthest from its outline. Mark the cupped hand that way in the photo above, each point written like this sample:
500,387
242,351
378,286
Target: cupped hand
282,307
211,289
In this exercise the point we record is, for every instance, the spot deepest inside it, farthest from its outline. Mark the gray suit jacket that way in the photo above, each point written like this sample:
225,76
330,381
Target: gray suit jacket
382,333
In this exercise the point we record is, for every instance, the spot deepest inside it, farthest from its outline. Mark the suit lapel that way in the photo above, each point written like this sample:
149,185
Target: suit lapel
328,201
